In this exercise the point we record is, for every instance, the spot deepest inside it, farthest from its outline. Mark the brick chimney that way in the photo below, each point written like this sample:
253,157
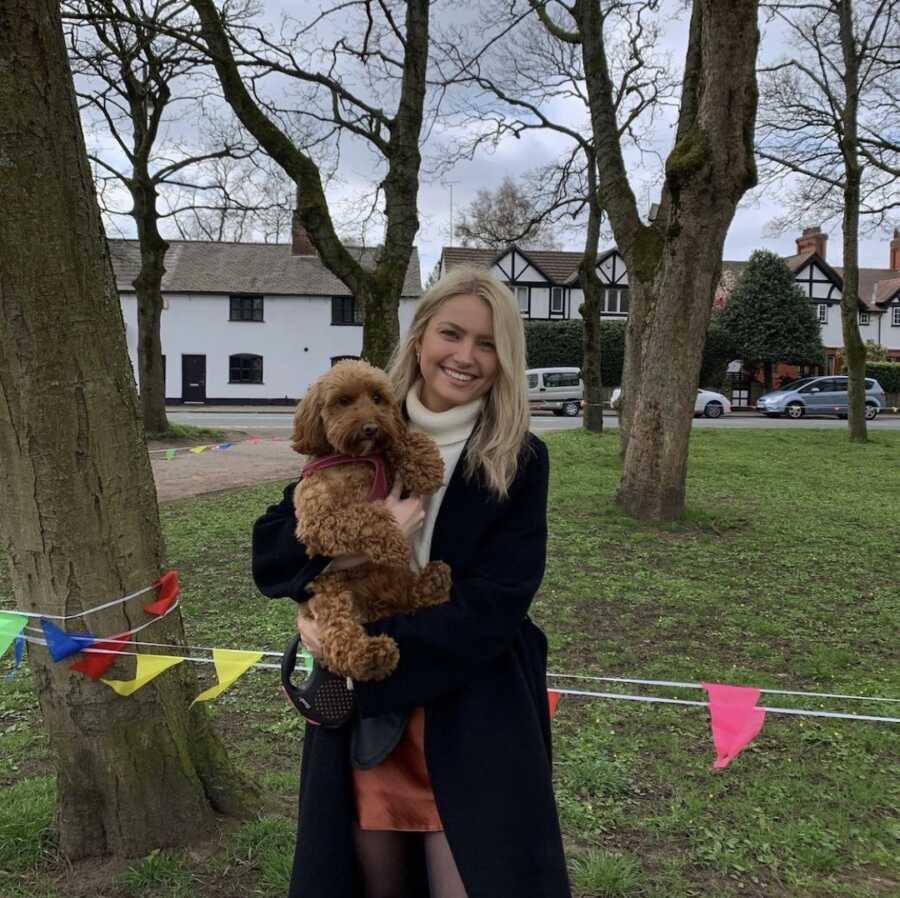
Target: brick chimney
895,251
812,240
301,245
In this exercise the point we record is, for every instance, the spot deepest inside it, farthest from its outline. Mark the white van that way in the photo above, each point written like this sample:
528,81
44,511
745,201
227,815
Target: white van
557,390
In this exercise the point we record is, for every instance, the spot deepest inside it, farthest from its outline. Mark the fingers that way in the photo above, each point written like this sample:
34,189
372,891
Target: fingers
397,488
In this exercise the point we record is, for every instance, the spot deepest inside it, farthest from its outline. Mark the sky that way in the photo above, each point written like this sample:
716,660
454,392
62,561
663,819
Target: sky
515,158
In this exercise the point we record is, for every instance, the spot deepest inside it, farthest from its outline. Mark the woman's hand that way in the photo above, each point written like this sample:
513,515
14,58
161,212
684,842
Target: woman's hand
409,513
308,628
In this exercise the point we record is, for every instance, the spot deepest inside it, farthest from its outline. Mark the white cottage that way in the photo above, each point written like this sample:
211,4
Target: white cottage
249,323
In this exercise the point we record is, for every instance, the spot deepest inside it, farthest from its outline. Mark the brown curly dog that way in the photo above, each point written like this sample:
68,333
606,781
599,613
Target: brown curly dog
352,429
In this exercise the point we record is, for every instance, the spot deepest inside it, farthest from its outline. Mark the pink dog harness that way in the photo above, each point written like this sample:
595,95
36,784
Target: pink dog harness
379,488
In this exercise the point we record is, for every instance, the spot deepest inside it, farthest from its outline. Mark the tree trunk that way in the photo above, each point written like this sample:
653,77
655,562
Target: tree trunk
854,348
767,376
674,264
80,521
382,325
148,287
593,303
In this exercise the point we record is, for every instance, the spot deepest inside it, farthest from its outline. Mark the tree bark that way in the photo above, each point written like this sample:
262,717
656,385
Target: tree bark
592,287
674,263
80,522
148,288
854,348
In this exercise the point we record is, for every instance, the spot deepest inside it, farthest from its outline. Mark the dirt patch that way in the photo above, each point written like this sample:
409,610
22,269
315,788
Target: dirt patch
248,461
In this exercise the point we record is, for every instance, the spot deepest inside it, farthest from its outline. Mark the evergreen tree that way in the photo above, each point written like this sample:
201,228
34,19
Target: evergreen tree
769,319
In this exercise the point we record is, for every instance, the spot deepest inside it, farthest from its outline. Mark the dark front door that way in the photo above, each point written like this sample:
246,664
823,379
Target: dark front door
193,378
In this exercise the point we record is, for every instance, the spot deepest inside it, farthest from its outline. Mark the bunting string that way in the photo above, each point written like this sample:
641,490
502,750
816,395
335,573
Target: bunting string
94,609
678,685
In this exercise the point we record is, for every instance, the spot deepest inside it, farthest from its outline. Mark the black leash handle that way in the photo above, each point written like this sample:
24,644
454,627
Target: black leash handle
323,697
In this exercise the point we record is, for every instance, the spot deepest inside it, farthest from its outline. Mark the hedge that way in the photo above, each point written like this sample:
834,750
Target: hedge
557,344
886,373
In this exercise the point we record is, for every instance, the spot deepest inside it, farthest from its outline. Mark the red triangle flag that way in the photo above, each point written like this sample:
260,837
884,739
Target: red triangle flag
166,593
734,718
95,664
552,700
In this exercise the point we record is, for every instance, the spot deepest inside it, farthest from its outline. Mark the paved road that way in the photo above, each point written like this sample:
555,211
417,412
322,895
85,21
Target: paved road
272,422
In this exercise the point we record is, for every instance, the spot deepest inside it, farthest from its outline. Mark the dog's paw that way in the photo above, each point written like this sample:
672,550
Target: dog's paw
435,582
375,659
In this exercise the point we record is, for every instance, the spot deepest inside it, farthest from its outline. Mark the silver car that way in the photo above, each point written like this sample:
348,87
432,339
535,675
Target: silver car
818,396
557,390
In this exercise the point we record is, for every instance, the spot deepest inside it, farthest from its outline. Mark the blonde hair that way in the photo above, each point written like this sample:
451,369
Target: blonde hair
498,437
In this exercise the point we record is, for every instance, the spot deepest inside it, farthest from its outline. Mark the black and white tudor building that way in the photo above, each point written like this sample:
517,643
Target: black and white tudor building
546,286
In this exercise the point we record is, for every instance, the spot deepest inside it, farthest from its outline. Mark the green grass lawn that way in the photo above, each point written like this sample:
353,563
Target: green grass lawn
784,574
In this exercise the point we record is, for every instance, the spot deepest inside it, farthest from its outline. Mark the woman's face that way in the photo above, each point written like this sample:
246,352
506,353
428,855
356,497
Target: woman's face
457,356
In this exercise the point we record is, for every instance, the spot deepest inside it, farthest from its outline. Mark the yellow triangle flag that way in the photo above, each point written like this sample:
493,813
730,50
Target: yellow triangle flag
148,666
230,664
198,449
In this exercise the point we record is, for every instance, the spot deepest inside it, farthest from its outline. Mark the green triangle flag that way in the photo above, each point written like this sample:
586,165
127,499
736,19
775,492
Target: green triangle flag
11,625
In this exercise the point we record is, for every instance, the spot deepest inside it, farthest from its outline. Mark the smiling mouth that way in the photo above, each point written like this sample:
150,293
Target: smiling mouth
458,376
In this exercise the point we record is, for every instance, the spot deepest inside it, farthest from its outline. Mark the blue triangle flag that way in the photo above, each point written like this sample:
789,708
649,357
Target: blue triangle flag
62,644
18,653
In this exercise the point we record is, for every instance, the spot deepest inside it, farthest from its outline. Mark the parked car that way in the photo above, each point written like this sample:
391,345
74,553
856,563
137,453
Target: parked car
818,396
557,390
709,403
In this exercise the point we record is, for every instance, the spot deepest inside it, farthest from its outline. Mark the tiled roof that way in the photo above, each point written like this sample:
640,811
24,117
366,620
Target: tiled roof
885,289
557,265
201,266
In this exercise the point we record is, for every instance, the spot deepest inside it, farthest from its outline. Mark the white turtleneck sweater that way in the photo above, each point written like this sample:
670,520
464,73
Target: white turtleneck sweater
449,430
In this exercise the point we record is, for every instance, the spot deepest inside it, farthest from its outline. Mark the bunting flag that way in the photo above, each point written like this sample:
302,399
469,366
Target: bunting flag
96,663
148,667
167,590
230,664
18,654
170,454
62,644
552,700
254,440
734,718
11,625
198,449
222,446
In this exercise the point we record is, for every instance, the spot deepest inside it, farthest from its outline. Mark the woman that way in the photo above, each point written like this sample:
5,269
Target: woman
480,820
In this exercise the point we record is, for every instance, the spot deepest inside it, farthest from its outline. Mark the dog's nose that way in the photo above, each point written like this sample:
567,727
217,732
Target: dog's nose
370,430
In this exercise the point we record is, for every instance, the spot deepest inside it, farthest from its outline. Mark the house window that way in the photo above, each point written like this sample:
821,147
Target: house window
246,308
524,300
822,313
615,300
345,310
342,358
245,368
863,318
557,303
895,316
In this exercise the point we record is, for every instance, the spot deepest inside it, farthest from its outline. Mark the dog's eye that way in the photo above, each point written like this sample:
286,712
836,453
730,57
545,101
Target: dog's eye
345,400
376,398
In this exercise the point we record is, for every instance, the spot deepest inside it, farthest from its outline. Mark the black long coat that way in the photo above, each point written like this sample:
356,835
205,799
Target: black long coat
478,665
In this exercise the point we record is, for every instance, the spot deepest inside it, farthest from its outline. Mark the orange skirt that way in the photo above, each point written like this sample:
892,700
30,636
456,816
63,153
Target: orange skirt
396,794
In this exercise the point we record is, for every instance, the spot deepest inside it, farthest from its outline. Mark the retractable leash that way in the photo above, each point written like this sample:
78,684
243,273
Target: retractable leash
323,698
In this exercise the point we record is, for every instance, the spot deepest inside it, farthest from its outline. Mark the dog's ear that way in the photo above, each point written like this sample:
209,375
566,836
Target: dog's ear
309,437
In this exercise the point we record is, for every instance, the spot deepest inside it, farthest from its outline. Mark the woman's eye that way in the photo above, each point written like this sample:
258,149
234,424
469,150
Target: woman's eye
451,334
487,344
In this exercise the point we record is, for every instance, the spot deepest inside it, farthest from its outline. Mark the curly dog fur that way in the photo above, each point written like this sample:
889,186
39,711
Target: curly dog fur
351,410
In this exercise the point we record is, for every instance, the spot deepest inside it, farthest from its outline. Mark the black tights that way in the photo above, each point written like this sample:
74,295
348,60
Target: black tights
387,859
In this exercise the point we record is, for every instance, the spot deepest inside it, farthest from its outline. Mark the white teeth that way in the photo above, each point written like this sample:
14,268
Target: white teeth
462,378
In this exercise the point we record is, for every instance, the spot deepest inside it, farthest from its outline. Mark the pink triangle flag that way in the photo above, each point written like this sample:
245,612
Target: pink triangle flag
734,718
